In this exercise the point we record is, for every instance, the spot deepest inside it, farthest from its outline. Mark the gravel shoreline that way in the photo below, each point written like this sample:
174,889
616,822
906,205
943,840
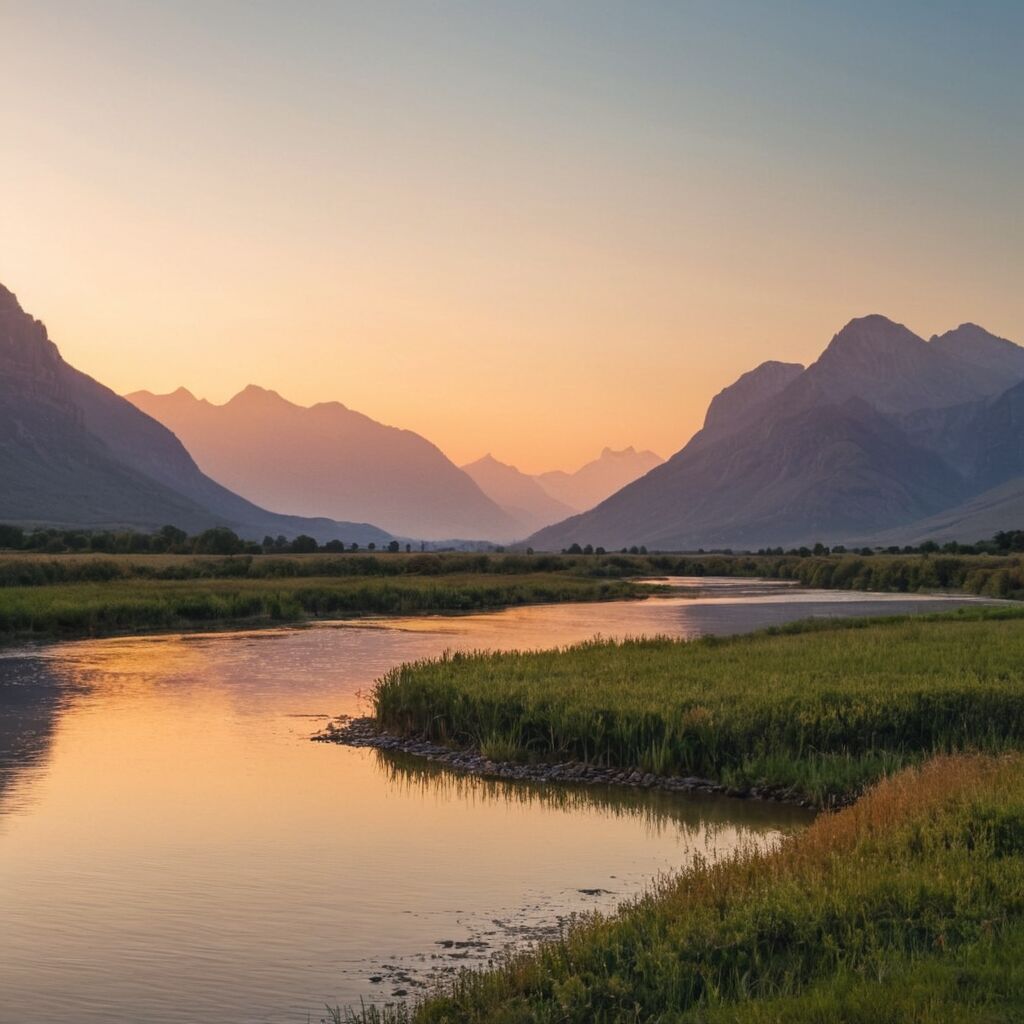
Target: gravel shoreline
363,732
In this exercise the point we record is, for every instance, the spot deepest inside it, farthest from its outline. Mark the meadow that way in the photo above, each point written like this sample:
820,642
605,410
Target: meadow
906,907
133,604
815,711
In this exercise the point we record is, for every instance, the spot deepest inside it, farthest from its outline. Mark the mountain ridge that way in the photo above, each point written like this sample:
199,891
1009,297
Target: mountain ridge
73,453
328,459
829,454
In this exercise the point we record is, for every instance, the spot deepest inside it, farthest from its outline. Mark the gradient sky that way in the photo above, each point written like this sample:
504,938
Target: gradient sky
526,228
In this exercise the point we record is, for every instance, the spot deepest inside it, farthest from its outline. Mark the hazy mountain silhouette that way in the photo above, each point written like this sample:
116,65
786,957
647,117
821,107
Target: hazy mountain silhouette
593,482
330,460
882,431
73,453
519,494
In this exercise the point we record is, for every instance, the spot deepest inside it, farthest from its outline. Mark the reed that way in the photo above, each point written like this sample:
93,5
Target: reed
816,711
135,605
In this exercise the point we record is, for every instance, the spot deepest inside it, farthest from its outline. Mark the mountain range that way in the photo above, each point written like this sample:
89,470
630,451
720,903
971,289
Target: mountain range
329,460
885,436
536,501
73,453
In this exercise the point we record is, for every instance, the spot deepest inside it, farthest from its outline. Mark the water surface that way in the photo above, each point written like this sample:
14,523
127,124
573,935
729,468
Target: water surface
173,848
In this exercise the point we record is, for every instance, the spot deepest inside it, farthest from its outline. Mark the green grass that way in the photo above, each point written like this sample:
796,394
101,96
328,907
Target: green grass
906,907
136,605
815,710
993,575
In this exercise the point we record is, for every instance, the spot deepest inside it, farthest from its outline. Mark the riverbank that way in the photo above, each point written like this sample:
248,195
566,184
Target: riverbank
815,711
146,605
363,732
906,907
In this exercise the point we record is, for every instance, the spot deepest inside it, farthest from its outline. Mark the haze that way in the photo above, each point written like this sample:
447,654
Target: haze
483,221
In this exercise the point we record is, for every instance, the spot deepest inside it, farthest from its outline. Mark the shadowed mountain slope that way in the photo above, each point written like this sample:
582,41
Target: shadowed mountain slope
330,460
857,443
73,453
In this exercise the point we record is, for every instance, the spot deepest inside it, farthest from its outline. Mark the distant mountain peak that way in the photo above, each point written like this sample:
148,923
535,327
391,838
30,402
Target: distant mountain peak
254,395
970,333
875,332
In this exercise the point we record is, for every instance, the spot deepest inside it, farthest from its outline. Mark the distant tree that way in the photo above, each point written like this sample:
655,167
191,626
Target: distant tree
634,550
393,546
929,547
588,549
599,551
371,546
280,542
838,549
529,551
574,549
172,536
11,536
408,548
218,541
643,549
820,549
353,546
304,545
334,545
102,541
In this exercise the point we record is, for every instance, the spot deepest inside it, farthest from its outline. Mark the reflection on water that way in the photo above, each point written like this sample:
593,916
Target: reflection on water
172,848
700,814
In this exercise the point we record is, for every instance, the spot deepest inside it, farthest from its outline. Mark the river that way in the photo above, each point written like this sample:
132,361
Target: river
174,849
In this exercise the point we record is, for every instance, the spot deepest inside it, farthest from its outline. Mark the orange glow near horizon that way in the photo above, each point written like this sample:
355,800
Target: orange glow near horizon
527,233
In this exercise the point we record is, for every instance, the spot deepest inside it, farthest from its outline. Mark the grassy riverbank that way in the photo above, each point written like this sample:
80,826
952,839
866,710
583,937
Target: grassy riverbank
133,604
994,575
815,710
906,907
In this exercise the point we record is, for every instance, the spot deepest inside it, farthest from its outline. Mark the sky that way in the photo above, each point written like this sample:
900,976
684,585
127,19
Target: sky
533,229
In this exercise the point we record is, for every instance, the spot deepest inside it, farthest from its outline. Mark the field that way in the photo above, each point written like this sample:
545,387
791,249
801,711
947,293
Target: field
133,604
813,711
906,907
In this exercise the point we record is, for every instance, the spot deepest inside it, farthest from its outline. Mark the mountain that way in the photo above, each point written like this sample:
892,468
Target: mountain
328,460
882,431
73,453
742,401
974,344
519,494
596,480
896,371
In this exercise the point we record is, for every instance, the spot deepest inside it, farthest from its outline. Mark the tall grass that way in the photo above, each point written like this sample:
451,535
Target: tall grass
907,906
135,605
817,710
993,575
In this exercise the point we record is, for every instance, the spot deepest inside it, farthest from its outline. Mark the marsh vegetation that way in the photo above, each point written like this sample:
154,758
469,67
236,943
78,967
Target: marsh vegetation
816,710
907,906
